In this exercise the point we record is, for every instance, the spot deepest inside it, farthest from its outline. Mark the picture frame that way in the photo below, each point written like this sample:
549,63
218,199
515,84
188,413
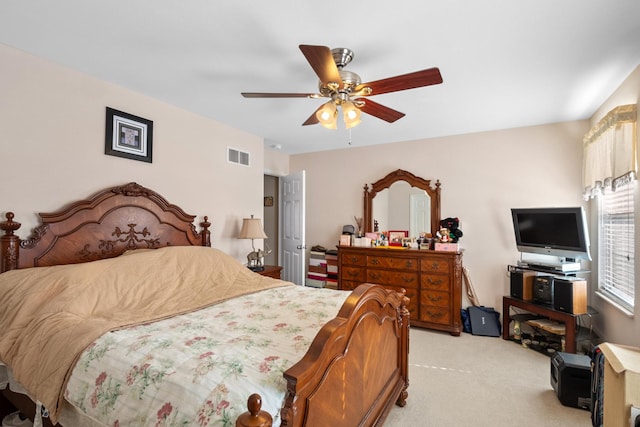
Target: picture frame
268,201
396,236
345,240
128,136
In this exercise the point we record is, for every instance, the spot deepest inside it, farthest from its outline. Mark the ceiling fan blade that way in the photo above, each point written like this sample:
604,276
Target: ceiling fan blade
321,60
279,95
312,120
430,76
380,111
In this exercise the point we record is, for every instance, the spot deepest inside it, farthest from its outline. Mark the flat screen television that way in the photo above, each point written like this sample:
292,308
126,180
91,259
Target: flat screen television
560,232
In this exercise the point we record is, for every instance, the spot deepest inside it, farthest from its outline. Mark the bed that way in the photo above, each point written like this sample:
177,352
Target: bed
351,372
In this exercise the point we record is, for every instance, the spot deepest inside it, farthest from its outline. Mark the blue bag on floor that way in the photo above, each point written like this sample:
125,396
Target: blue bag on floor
466,323
485,321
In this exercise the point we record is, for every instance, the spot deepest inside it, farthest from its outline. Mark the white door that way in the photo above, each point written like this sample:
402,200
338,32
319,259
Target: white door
292,252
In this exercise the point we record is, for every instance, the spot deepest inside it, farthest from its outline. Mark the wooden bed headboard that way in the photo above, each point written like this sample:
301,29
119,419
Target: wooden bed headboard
105,225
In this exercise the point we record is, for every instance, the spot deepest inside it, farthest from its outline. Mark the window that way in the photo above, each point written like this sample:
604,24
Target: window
616,249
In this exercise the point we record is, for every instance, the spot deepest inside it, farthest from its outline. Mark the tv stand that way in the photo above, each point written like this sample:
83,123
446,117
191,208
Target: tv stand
570,320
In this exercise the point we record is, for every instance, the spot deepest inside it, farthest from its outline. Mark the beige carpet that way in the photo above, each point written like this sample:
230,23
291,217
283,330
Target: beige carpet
479,381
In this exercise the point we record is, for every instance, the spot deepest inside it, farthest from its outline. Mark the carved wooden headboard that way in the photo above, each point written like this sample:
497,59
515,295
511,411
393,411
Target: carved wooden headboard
104,226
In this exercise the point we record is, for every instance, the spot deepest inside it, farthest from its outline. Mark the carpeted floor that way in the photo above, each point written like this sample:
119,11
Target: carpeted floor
479,381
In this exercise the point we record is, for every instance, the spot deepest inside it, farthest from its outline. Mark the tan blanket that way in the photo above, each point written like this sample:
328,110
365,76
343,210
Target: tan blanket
49,315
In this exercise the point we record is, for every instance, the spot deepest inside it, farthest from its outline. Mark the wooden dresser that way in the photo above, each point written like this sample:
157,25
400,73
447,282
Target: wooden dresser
432,279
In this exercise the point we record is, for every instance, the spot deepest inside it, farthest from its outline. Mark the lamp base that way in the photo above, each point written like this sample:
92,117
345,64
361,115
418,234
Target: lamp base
256,268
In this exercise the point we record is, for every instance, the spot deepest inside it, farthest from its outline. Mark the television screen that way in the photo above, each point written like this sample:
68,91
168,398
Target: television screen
560,232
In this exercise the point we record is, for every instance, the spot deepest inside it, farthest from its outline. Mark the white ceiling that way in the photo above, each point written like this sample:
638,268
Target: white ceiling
505,63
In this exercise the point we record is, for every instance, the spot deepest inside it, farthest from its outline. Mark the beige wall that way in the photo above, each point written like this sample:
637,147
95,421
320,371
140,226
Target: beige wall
615,325
52,150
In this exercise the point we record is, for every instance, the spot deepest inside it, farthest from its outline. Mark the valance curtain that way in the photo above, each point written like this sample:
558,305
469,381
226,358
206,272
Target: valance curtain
610,156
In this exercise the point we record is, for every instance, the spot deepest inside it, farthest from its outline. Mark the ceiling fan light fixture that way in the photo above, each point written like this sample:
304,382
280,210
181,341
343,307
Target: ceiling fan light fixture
345,88
351,114
326,115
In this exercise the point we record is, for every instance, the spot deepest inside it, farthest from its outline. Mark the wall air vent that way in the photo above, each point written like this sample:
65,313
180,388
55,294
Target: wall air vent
238,157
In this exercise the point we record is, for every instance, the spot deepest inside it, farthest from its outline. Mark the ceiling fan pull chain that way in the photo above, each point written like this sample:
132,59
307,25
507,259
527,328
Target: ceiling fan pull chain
349,136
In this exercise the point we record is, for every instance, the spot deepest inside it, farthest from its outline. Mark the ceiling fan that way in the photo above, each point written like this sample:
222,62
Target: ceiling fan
346,89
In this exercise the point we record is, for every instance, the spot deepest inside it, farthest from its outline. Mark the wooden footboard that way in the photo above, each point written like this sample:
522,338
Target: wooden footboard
357,366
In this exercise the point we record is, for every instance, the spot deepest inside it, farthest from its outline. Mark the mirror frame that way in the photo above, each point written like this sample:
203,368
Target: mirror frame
414,181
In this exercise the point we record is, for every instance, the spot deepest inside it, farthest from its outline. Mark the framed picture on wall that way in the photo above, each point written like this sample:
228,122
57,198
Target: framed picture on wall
396,236
128,136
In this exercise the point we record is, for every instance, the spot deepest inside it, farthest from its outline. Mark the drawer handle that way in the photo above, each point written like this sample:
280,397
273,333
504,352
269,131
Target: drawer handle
375,276
409,279
435,315
375,261
435,299
435,265
409,263
353,273
354,259
434,282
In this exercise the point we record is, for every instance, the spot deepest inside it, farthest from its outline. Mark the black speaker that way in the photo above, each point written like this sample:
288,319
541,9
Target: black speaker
543,289
570,295
571,379
522,284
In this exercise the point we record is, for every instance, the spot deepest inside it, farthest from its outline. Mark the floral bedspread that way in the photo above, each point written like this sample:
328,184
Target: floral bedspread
198,369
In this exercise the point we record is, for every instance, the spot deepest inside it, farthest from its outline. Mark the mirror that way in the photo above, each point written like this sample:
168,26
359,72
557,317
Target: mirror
403,201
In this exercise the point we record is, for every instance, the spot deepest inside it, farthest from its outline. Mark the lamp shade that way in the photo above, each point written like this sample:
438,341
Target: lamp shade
252,229
351,114
326,115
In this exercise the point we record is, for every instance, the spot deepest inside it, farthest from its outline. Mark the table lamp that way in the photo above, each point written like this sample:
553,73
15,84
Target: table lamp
252,229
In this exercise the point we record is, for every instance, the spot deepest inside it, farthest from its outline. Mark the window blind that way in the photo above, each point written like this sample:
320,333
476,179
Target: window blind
617,245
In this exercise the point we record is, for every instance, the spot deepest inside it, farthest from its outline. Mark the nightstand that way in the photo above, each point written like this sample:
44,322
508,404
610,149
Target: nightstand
271,271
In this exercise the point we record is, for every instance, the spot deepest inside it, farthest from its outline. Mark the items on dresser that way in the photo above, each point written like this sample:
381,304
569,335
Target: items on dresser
432,280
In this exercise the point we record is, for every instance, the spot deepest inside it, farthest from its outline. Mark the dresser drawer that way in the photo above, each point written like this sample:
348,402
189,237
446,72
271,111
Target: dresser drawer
396,263
435,265
353,259
352,273
435,282
434,298
439,315
402,279
349,285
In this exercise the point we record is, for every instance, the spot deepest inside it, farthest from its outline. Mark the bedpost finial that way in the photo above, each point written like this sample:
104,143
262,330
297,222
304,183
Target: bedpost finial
255,417
9,226
205,234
